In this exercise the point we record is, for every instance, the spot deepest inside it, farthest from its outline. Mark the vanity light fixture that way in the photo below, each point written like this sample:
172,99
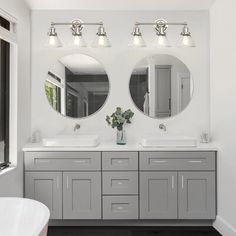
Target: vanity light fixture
137,40
53,41
102,39
161,40
186,38
76,27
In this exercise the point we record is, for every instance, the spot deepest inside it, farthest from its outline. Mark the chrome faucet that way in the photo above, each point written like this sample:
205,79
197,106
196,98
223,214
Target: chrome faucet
76,127
162,127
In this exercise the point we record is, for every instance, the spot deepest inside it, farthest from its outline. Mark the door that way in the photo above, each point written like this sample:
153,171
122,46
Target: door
45,187
197,195
163,91
158,195
82,195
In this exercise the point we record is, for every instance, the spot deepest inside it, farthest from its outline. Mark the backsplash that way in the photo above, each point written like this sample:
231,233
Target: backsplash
119,61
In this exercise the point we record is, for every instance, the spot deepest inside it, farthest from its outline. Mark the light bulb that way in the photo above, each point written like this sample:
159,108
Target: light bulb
101,39
186,38
137,39
161,41
54,41
79,41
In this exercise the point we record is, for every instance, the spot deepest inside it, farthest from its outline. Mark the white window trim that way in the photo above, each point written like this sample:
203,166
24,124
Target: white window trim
11,37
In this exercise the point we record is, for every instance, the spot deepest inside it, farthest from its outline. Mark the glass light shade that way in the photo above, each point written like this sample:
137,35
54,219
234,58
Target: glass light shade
101,41
54,41
186,41
137,41
161,41
79,41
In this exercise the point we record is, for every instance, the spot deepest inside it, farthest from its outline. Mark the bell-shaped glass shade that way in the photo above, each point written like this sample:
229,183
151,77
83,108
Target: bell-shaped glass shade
186,41
161,41
137,41
101,41
79,41
54,41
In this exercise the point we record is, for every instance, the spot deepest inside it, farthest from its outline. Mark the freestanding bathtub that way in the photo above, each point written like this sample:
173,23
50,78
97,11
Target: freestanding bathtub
23,217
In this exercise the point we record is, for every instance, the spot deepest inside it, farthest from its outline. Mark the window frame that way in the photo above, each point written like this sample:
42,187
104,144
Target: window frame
10,36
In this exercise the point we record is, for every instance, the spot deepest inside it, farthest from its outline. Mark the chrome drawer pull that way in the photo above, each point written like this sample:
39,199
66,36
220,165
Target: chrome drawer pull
156,161
119,208
42,161
173,183
195,161
80,161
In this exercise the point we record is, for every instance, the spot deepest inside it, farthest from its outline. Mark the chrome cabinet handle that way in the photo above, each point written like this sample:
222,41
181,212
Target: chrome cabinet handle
57,181
173,182
67,181
182,182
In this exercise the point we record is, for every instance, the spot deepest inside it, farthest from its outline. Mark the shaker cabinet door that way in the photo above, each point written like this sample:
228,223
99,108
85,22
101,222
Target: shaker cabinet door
82,195
45,187
158,195
197,195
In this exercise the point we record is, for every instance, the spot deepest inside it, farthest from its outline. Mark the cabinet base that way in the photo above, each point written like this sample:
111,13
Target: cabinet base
130,223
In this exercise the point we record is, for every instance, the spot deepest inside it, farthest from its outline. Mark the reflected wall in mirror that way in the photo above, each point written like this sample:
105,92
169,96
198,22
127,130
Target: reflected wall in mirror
77,86
161,86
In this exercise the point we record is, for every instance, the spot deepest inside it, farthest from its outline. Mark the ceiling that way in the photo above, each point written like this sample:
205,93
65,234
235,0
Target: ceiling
121,4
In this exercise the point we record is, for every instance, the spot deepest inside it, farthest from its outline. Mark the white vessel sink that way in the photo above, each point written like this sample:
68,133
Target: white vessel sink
73,140
168,141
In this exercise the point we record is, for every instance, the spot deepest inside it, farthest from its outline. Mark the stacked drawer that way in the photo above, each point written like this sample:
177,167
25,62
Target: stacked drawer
120,185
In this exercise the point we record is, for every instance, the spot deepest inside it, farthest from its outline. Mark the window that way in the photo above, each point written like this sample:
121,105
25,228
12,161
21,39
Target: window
4,101
6,33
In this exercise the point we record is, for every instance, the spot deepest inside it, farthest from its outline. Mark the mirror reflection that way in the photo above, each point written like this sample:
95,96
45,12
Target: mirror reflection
161,86
77,86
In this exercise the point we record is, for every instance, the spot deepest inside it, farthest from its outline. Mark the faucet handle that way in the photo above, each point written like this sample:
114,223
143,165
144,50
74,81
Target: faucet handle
162,127
76,127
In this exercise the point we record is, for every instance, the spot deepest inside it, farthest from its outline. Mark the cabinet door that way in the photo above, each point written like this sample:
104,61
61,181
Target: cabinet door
197,195
45,187
158,195
82,195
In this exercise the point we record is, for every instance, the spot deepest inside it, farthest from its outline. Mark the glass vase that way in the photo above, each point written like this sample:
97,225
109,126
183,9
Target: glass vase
120,137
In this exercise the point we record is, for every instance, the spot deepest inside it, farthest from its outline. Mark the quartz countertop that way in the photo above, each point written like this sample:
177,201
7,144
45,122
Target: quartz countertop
108,146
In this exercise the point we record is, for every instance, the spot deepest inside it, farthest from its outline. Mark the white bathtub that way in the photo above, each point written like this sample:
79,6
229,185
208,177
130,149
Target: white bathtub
23,217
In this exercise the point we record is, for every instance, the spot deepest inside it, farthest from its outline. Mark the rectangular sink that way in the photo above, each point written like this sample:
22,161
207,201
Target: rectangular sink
168,141
72,141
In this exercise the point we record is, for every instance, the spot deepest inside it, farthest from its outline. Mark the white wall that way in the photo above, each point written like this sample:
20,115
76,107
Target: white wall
223,109
119,62
11,183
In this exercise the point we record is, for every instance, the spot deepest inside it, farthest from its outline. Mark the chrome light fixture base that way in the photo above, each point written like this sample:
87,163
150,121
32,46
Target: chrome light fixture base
161,27
76,27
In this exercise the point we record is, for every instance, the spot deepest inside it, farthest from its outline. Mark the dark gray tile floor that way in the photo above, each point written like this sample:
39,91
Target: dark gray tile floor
131,231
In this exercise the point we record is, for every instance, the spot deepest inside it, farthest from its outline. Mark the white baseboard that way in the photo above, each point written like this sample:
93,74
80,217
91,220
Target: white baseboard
224,227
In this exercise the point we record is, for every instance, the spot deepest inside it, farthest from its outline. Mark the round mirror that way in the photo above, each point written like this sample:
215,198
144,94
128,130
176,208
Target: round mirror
77,86
161,86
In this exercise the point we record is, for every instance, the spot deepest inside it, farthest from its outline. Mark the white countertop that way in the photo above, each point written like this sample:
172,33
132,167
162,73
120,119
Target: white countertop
106,146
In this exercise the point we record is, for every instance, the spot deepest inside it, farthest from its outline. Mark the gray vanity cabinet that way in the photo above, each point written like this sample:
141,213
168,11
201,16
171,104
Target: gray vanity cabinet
82,195
45,187
158,195
197,195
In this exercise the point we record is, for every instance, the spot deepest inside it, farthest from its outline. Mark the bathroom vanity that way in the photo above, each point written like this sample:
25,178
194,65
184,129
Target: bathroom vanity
111,182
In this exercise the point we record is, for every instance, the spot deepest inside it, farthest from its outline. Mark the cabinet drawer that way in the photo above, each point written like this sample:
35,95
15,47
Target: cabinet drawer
63,161
177,161
120,207
120,182
120,160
